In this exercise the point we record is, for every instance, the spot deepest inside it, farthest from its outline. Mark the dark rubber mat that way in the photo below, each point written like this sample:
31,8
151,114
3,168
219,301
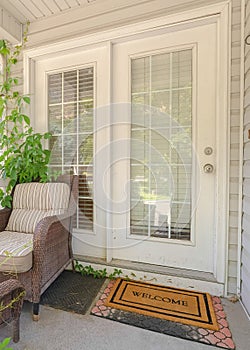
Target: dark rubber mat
72,292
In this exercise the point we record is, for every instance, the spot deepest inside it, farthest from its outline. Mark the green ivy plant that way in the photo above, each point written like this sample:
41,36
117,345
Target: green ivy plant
23,157
4,344
90,271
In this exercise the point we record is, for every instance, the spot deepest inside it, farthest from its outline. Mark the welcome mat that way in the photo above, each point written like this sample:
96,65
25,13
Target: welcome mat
220,338
72,292
171,304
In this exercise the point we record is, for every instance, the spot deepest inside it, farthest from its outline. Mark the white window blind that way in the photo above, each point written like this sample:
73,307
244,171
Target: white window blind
161,148
70,114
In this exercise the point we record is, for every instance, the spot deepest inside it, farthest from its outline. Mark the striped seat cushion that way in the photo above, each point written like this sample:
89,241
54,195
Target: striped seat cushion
34,201
15,251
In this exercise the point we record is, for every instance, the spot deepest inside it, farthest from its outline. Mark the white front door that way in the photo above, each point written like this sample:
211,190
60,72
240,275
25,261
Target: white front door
154,165
164,155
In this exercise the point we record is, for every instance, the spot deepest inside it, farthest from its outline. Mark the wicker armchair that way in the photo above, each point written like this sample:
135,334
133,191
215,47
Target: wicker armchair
35,236
11,302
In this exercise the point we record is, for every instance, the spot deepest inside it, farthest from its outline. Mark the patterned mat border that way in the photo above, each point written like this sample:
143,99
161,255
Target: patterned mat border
221,338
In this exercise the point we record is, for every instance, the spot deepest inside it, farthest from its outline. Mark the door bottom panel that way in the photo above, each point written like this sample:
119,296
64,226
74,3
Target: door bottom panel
168,276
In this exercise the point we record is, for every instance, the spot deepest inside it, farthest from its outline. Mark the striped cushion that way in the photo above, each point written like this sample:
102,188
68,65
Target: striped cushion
41,196
15,251
34,201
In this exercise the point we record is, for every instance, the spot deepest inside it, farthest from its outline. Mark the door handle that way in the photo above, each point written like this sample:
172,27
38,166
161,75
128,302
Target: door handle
208,168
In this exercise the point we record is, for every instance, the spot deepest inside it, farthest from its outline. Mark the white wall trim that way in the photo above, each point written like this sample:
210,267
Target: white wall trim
97,18
109,219
10,27
223,123
241,145
172,20
220,12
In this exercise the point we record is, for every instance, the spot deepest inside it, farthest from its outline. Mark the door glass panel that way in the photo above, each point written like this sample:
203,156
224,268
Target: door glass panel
161,147
70,120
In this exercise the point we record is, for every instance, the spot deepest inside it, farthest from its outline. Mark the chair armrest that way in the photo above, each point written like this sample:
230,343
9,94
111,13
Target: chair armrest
9,286
45,224
47,233
12,295
4,218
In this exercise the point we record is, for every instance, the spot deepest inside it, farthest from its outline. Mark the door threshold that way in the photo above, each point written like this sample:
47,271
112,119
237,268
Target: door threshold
168,276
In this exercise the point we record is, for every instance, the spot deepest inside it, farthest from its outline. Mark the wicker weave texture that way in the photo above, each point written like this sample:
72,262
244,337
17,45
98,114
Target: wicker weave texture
52,250
11,300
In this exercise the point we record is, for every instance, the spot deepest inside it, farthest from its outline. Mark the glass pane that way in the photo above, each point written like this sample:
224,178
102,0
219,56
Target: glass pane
139,218
70,114
138,150
70,118
86,116
85,198
55,145
55,119
85,149
180,221
70,86
69,149
140,75
182,106
160,74
161,150
181,183
182,69
55,88
86,84
162,101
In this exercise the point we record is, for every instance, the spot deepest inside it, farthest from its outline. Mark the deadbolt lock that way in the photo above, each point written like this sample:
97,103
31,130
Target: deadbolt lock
208,168
208,150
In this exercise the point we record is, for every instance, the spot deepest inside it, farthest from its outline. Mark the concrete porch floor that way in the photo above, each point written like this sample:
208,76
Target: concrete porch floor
59,330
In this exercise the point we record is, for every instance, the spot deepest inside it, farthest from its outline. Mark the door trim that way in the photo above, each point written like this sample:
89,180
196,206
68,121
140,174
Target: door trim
221,13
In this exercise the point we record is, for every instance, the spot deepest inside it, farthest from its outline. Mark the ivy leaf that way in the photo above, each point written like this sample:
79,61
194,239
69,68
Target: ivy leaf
26,99
2,44
47,135
15,94
4,51
5,342
6,201
26,119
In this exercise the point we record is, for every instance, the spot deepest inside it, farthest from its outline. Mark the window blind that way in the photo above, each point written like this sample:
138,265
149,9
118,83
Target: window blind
161,147
70,116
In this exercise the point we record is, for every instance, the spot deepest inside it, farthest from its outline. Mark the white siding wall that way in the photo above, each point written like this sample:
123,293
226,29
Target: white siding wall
245,275
121,12
234,147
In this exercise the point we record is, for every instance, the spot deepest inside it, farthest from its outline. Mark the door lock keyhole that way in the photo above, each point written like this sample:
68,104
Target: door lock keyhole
208,168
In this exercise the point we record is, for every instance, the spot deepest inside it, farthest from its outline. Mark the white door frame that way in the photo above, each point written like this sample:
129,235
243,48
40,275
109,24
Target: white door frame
222,12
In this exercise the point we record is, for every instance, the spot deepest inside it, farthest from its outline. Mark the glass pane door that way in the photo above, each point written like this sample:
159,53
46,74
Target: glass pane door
161,146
